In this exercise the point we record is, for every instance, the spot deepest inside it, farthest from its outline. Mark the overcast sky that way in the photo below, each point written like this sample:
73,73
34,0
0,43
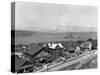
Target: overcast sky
55,17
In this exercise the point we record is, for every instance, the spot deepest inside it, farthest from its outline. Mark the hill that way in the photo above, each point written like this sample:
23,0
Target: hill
27,37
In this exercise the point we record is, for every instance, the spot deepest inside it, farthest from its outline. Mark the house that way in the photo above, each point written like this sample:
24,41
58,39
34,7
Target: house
69,45
78,50
50,50
86,45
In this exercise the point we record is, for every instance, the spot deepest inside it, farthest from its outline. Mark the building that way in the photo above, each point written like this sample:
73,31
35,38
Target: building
86,45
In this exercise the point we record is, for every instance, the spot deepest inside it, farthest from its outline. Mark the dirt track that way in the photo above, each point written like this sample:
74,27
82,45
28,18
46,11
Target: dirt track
81,59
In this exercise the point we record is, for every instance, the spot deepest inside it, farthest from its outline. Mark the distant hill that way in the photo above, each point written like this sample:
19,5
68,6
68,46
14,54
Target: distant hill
28,37
20,33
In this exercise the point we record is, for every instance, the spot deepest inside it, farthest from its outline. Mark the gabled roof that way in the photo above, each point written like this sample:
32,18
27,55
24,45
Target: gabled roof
55,45
69,44
34,48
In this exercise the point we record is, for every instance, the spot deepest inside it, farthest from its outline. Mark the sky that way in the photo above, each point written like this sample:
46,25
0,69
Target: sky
48,17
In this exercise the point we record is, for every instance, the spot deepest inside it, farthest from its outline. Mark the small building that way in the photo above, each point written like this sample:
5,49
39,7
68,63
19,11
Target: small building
86,45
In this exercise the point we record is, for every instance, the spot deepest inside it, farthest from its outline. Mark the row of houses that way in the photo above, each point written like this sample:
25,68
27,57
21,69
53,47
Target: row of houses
54,49
49,52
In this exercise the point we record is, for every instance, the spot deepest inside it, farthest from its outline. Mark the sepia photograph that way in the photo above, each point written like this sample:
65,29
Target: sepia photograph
48,37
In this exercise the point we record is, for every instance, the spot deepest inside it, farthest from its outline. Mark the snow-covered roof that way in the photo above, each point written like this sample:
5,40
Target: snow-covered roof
53,45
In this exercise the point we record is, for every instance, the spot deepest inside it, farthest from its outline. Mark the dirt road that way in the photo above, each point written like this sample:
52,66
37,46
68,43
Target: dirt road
82,59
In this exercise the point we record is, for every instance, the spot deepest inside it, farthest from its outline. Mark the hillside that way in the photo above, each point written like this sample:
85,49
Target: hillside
27,37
